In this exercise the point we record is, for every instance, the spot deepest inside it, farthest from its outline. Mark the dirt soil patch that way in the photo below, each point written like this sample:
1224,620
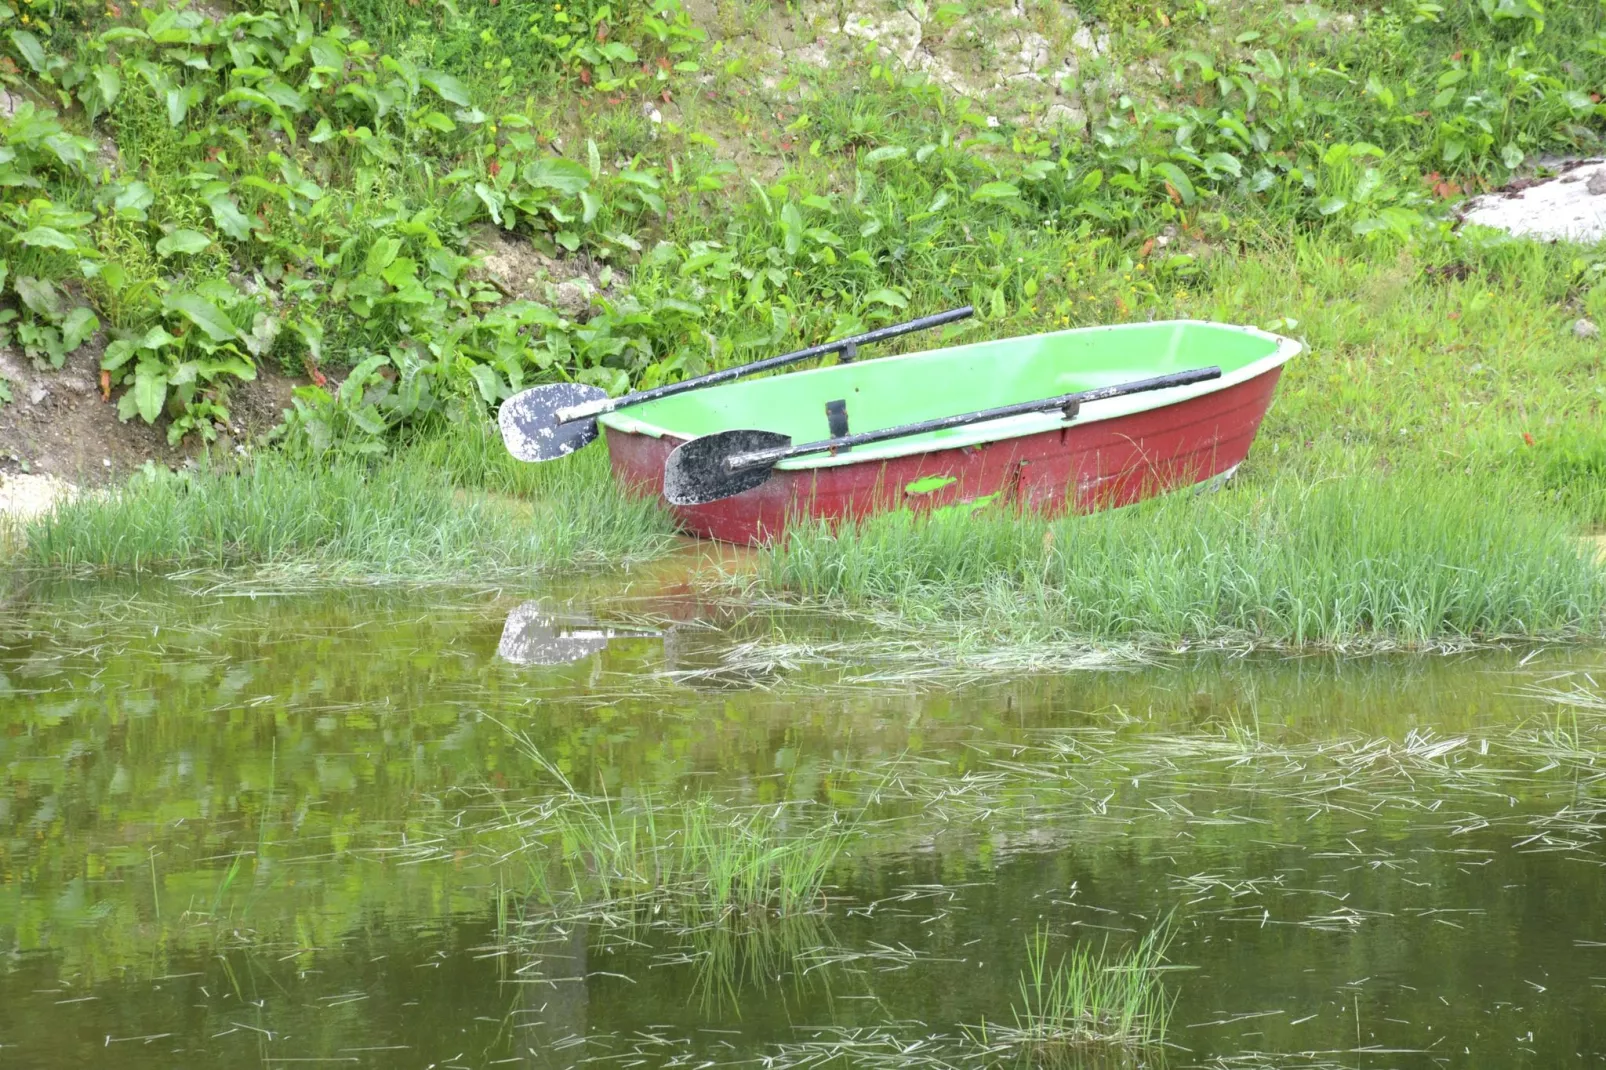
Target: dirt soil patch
58,424
524,273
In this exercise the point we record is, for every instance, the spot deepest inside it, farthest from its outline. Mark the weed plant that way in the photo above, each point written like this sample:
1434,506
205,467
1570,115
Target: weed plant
1410,560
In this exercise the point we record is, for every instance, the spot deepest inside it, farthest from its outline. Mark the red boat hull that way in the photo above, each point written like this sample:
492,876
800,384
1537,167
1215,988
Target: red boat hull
1082,466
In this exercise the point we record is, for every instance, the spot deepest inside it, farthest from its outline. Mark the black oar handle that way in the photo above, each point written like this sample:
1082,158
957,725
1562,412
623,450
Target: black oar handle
881,334
1067,402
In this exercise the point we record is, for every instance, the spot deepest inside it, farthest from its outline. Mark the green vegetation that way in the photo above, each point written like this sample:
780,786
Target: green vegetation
315,185
704,860
397,517
1363,562
1090,997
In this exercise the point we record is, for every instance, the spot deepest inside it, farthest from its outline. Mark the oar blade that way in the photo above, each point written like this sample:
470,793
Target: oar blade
697,473
530,427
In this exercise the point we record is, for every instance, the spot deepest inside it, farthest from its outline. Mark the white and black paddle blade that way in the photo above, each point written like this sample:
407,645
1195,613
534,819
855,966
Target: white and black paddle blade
530,426
698,473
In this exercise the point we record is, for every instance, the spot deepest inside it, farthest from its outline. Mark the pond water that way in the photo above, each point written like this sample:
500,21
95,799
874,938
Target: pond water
246,824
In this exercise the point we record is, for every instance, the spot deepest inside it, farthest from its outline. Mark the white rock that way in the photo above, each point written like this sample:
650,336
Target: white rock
1065,115
1084,41
899,32
1550,211
1585,328
23,497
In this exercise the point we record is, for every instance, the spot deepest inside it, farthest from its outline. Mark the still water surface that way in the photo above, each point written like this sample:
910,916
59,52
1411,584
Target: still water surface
247,826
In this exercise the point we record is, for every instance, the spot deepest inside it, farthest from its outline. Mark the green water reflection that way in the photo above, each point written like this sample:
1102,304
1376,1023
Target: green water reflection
237,827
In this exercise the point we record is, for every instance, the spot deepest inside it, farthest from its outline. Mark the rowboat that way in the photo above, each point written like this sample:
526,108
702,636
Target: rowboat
1104,453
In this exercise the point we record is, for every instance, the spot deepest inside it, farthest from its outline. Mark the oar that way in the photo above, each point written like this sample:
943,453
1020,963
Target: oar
720,465
552,421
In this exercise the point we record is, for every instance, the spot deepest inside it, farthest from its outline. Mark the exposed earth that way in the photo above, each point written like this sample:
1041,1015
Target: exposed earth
57,422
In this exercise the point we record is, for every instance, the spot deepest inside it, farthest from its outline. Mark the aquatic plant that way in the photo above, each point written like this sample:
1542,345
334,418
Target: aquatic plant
1090,996
706,859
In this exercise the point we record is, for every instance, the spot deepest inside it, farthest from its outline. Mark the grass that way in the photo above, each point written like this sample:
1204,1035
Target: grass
1090,997
1408,561
404,515
707,861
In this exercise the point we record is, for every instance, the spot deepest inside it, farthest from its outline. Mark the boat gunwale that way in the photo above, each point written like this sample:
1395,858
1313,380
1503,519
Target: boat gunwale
1016,426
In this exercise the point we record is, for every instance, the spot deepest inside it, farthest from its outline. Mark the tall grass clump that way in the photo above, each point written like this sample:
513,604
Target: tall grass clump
403,514
1090,997
710,860
1408,560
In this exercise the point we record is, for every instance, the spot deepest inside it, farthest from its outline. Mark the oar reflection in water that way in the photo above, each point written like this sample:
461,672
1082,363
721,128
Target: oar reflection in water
535,636
553,1031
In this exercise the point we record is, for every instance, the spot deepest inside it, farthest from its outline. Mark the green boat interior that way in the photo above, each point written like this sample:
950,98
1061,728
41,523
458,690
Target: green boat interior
887,392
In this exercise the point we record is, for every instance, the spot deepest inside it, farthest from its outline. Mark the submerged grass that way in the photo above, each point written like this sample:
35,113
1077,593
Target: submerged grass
1364,562
1090,997
704,860
450,505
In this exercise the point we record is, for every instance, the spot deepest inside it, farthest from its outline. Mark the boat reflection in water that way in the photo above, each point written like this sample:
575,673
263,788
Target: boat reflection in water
533,635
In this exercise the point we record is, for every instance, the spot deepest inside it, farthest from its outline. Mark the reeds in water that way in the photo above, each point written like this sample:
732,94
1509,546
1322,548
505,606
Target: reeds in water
1090,996
709,861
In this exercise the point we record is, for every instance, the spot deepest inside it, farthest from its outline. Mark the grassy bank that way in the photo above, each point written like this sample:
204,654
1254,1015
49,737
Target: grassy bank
1408,561
453,503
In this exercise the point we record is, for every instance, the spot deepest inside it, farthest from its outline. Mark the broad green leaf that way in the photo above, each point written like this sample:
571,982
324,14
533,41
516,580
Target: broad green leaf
995,191
383,252
555,172
29,48
79,325
178,105
38,294
890,298
792,228
134,199
117,354
491,199
110,83
369,420
400,271
1173,174
156,338
488,381
885,153
437,121
46,238
446,87
150,389
182,241
205,315
593,159
226,213
590,204
351,390
645,179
